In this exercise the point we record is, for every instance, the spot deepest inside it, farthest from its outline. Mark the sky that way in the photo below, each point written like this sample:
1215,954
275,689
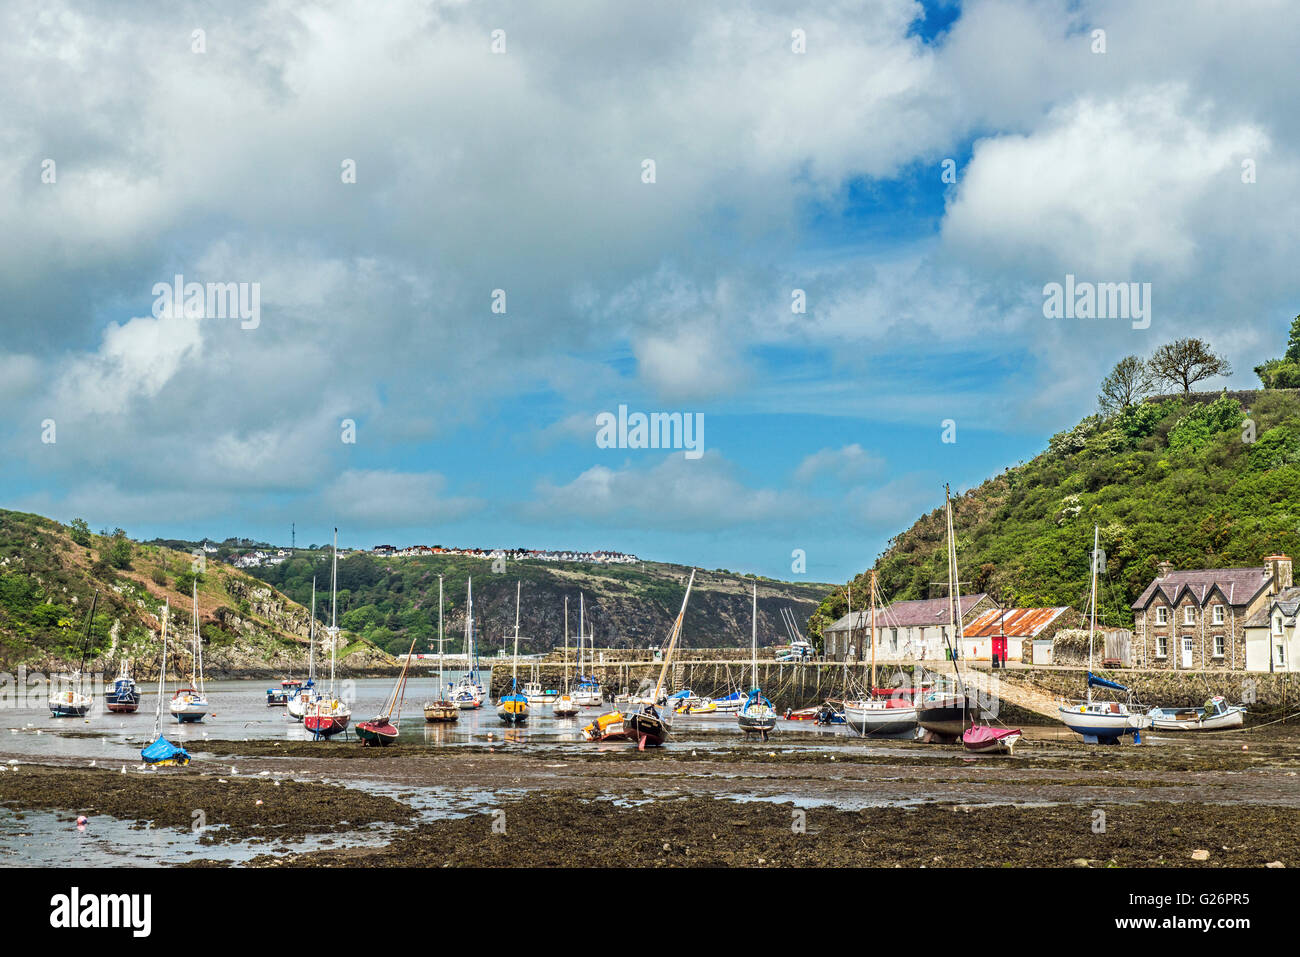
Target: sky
473,228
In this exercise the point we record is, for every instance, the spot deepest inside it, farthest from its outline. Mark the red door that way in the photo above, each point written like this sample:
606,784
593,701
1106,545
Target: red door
1000,648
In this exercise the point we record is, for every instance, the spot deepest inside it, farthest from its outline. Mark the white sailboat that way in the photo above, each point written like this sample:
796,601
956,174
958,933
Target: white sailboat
756,715
161,752
329,715
565,706
68,698
190,704
587,694
469,693
878,715
441,709
1102,722
300,703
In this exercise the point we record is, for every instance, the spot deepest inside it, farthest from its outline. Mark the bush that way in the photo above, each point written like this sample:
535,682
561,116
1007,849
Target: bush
79,530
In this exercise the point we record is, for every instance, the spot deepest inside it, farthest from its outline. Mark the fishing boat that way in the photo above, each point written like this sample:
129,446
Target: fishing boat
607,727
565,705
1101,722
881,713
280,697
512,708
441,710
756,716
1216,715
383,728
161,752
190,704
982,739
68,699
301,702
587,693
647,721
329,715
946,713
124,696
731,703
469,693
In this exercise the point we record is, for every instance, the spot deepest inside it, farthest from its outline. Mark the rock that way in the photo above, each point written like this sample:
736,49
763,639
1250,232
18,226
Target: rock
1200,855
1080,862
1275,864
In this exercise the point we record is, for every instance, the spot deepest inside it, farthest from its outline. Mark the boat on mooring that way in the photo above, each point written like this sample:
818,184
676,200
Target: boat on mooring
588,692
983,739
512,708
441,709
302,700
647,721
280,697
565,705
68,699
383,728
1102,722
756,715
1215,715
161,752
469,692
124,696
190,704
329,715
881,713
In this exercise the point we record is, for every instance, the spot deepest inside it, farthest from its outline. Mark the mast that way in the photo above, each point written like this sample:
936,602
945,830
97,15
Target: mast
197,677
85,641
754,639
672,641
871,688
471,656
441,677
311,638
162,672
514,667
566,644
334,595
580,611
954,600
1096,532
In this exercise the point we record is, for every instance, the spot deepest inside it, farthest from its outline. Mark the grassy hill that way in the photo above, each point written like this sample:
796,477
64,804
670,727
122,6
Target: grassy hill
1194,480
391,600
47,580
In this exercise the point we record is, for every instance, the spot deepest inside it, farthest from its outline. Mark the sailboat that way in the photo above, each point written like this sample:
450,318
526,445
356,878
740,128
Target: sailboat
301,701
72,701
162,752
536,693
647,720
513,707
469,693
124,696
190,704
440,709
565,706
880,713
1102,722
946,715
329,715
756,715
587,694
382,729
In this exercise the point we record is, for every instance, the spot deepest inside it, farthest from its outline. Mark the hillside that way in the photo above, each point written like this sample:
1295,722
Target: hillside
1194,480
390,600
47,580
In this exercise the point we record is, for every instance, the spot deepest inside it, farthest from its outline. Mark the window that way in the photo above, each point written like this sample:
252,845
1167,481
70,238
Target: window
1218,646
1189,615
893,639
1281,655
1162,646
1162,615
1277,624
1218,614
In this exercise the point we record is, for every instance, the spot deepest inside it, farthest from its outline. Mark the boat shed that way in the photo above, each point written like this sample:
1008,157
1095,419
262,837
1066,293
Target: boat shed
1004,631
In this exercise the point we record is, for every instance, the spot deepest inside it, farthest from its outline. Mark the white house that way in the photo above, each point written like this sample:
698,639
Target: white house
1272,638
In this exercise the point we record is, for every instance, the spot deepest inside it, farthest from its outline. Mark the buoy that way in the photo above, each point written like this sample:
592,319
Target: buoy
81,822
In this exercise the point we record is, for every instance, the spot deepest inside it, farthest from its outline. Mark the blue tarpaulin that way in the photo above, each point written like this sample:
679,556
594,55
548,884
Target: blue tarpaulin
1103,683
164,750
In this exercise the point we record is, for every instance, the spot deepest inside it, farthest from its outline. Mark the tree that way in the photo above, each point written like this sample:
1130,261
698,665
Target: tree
1293,343
79,529
118,553
1185,362
1129,382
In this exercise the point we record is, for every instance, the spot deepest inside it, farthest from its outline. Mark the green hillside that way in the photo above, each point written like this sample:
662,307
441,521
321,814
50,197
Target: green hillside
1193,479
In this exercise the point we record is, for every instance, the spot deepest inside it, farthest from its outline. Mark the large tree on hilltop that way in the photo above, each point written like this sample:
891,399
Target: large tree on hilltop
1185,362
1128,383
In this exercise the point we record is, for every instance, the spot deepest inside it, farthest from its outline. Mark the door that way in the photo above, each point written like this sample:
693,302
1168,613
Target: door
999,649
1188,644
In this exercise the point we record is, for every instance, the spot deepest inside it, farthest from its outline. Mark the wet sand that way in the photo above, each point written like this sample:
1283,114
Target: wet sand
1236,797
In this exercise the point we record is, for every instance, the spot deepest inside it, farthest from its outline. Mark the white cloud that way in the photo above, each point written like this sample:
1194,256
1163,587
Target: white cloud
848,465
379,498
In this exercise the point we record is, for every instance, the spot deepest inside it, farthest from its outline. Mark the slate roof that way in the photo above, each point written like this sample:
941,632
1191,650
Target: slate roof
1288,600
904,614
1239,586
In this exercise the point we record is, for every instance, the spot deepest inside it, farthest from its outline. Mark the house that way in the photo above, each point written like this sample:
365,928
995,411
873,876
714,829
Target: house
1272,638
1004,631
905,630
1197,618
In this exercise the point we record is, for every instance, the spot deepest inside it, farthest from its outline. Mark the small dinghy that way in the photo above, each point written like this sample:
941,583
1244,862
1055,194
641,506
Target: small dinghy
1216,715
607,727
981,739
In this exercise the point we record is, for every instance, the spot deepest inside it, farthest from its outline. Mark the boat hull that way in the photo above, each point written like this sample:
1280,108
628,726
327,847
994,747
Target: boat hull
984,740
880,722
326,725
648,728
188,707
1103,727
1167,719
564,707
948,717
762,725
513,710
608,727
377,732
61,710
440,712
120,705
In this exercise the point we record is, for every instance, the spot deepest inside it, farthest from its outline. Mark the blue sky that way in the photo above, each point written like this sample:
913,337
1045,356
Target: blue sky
220,156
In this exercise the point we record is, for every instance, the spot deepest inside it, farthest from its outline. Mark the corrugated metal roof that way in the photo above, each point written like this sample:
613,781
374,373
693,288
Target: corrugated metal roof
1016,622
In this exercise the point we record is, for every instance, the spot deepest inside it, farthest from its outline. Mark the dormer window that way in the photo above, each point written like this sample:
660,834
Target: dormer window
1189,615
1219,614
1162,615
1277,624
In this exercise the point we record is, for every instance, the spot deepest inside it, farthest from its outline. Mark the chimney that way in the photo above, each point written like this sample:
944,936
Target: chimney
1278,568
1165,568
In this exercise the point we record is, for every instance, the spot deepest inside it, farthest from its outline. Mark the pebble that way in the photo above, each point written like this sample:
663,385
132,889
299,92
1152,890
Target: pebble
1275,864
1200,855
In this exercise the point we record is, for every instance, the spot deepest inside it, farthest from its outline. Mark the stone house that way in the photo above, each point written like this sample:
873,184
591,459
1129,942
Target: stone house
1196,619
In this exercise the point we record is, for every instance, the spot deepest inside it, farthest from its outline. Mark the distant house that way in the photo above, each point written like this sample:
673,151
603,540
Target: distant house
905,630
1198,618
1005,631
1272,638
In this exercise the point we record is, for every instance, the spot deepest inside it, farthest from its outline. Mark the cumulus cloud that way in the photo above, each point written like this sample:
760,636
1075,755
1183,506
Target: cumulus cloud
390,499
